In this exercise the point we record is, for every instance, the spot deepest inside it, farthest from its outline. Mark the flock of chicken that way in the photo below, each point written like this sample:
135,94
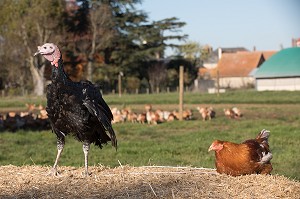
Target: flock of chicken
34,118
151,116
252,156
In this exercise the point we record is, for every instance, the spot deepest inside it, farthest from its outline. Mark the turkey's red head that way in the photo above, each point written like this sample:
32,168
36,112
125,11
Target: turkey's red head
50,52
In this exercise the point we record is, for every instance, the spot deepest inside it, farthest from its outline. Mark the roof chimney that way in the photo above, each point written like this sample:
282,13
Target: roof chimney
219,53
298,43
281,46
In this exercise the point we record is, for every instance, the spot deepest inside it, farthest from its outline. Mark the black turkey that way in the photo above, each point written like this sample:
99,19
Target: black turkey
75,108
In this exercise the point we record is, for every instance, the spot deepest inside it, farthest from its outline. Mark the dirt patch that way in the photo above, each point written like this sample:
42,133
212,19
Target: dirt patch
140,182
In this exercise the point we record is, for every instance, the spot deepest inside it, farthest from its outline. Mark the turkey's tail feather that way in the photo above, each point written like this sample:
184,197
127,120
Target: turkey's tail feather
94,109
113,137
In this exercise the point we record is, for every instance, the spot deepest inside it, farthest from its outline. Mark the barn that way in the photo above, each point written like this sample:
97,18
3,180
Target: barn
234,69
280,72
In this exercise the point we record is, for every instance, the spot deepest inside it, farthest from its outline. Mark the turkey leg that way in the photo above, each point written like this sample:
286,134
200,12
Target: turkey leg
60,147
86,148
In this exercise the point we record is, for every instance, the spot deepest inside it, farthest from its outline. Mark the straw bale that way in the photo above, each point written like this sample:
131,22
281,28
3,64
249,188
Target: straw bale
140,182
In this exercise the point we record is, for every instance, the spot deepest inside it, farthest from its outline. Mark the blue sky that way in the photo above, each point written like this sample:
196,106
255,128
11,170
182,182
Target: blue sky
265,24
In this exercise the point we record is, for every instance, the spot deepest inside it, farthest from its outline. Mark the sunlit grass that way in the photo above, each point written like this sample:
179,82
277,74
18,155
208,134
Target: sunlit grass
178,143
230,97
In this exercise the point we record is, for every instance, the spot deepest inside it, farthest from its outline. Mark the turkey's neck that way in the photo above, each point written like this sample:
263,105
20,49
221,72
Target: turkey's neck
59,74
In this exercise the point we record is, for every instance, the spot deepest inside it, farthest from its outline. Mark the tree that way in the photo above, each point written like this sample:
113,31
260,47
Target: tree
107,22
191,51
156,39
157,73
122,36
25,25
108,36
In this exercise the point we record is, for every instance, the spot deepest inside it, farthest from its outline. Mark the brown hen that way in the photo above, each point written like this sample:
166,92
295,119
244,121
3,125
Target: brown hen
250,157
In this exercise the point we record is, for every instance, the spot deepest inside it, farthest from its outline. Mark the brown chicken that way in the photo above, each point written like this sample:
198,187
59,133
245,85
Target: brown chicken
250,157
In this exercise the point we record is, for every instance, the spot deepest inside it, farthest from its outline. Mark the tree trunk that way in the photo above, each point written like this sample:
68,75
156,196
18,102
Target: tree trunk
90,56
37,73
89,74
37,78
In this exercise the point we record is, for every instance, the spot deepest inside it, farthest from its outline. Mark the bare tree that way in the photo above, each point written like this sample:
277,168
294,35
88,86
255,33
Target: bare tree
95,33
157,73
31,23
101,21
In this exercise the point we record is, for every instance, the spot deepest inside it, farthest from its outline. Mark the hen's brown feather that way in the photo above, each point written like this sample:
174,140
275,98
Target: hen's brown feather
250,157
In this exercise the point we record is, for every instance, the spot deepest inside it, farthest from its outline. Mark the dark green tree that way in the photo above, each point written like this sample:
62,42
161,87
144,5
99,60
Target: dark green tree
121,35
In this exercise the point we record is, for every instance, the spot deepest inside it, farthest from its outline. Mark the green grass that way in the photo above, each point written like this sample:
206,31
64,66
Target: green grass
230,97
178,143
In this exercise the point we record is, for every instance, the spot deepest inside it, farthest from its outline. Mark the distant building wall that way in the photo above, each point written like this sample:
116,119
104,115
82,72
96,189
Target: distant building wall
278,84
203,84
236,82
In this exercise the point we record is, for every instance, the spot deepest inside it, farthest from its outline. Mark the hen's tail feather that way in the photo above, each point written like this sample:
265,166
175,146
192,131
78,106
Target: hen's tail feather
266,158
262,139
263,136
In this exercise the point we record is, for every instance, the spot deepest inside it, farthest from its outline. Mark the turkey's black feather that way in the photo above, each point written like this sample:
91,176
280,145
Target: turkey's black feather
77,108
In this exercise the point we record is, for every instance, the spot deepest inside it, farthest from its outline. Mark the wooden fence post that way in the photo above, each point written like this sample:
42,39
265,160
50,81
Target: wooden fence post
120,85
180,92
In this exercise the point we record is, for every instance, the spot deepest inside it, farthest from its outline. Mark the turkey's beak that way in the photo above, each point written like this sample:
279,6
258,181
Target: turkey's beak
38,52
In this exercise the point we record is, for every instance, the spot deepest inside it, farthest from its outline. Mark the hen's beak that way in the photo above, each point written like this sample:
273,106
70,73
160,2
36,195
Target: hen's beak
210,148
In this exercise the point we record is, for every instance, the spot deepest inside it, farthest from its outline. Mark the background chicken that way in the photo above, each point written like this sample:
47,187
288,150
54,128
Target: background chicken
250,157
75,108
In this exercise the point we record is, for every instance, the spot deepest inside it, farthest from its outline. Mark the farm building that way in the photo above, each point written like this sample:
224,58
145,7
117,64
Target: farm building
235,69
207,75
280,72
213,58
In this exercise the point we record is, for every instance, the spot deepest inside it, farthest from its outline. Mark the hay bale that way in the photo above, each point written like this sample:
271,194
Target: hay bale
140,182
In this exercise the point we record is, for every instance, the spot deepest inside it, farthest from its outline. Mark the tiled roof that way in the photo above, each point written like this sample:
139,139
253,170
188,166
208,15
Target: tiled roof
214,55
239,64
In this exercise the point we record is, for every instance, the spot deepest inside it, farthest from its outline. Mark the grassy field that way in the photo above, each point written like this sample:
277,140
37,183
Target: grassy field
178,143
231,97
